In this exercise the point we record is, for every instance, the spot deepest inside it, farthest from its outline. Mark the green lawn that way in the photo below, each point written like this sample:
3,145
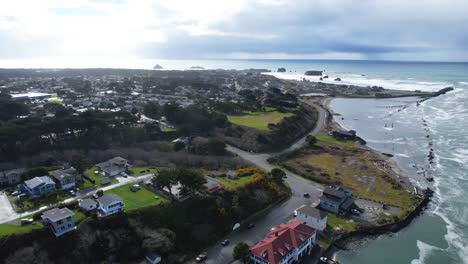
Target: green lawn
97,177
78,216
332,140
138,199
232,184
8,229
137,171
51,198
338,222
258,120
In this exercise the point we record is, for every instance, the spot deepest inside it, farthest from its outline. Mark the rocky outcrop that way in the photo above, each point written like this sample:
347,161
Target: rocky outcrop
281,69
313,73
338,79
197,68
158,67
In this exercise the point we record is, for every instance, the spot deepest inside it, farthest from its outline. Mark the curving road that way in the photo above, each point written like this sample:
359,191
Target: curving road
280,214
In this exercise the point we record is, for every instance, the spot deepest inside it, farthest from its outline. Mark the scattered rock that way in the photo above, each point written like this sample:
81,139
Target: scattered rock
313,73
158,67
338,79
325,77
281,69
197,68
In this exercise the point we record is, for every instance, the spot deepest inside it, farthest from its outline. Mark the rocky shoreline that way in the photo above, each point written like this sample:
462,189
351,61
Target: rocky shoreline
341,241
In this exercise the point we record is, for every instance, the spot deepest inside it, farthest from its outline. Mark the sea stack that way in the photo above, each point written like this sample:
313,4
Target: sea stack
281,69
158,67
313,73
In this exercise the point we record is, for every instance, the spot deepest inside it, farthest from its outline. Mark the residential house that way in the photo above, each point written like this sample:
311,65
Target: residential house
114,166
345,135
212,185
11,177
312,217
38,185
109,204
287,243
337,201
60,220
66,178
87,205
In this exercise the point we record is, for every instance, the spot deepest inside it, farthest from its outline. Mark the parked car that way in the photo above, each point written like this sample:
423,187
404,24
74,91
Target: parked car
295,213
251,225
95,196
26,221
134,187
225,242
324,259
306,195
125,175
201,257
72,193
22,196
15,193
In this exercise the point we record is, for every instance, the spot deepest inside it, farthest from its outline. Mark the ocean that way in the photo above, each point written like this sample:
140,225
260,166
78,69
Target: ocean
440,234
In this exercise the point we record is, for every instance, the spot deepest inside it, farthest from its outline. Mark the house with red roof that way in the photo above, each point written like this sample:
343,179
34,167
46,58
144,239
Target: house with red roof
287,243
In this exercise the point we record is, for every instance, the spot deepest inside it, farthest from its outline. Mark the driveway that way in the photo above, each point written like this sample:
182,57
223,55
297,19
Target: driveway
6,209
280,214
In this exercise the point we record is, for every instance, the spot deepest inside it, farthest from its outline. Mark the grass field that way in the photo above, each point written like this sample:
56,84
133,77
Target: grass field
341,223
332,140
341,163
258,120
8,229
232,184
137,171
138,199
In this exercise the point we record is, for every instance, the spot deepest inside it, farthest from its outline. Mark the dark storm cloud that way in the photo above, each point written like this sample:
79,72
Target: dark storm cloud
372,29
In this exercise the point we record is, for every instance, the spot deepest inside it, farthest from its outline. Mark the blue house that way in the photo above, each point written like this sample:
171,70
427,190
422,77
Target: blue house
336,200
38,185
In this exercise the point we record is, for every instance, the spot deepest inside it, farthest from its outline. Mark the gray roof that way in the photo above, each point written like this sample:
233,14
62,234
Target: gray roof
57,173
311,211
108,199
57,214
339,194
16,171
211,183
87,203
115,160
36,181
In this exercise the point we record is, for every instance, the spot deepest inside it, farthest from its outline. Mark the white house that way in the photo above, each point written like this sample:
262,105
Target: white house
114,166
110,204
313,217
60,220
287,243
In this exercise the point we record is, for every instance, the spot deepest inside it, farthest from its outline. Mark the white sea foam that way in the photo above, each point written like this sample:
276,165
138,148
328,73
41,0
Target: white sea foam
354,79
402,155
424,251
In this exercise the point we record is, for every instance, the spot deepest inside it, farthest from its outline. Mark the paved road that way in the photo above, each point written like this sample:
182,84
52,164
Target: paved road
8,214
280,214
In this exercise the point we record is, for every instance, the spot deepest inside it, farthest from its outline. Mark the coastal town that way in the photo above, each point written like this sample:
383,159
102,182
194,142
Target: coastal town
207,166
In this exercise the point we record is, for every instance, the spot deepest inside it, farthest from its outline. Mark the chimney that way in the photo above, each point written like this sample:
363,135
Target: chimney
276,233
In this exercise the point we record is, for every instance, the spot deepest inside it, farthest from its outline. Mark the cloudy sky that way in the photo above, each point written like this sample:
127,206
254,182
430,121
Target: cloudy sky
433,30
